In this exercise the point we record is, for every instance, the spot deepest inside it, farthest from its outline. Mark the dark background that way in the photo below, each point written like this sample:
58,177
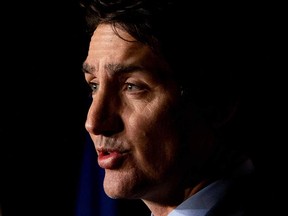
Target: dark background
42,107
44,103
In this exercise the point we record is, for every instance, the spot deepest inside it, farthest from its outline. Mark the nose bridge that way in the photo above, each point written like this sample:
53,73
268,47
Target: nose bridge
101,112
99,106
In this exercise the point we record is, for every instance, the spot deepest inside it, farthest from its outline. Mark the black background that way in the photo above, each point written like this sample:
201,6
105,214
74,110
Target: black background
42,107
44,103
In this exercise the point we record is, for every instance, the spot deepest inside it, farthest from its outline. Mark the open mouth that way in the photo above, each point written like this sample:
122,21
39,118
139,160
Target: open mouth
110,159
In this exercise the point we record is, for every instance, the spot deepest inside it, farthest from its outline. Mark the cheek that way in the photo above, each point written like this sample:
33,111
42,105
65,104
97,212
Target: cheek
150,122
154,138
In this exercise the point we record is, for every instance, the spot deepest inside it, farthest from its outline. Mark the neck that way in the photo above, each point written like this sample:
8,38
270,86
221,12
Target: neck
164,208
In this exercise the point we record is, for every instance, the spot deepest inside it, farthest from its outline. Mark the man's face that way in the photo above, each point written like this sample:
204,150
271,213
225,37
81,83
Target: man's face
132,117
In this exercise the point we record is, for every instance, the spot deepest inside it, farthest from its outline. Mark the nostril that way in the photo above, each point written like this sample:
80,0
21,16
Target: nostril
109,133
104,117
106,127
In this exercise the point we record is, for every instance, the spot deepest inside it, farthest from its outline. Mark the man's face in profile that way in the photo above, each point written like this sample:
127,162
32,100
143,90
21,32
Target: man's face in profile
132,117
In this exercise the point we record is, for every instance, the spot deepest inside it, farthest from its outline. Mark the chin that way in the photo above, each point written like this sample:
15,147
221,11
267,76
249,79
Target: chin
124,183
115,193
116,187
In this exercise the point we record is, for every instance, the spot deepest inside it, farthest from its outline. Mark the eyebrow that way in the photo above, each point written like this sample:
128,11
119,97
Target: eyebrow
113,69
86,68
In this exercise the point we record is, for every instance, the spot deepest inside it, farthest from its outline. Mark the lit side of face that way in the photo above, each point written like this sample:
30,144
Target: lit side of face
131,119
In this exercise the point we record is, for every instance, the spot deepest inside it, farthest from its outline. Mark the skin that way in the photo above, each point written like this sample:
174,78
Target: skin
134,120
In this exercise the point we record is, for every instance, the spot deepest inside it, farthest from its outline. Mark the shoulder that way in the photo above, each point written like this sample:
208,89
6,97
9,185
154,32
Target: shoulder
246,196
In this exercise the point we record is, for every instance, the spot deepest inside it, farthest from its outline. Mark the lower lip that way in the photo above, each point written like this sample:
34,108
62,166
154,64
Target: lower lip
111,161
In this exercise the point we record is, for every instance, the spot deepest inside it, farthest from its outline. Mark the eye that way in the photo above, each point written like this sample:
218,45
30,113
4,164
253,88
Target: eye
132,87
93,86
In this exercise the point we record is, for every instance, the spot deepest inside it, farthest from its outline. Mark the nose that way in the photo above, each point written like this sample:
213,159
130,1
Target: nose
103,116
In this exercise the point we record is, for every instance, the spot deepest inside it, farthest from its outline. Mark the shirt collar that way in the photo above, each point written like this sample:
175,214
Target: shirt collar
202,201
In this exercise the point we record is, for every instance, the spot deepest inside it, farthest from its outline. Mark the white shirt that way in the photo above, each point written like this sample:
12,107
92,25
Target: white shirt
202,201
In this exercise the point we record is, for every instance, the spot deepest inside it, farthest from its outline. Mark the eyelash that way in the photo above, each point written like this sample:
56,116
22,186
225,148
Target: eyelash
128,87
94,86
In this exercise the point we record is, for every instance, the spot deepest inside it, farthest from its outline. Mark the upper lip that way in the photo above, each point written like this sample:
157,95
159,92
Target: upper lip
107,145
103,150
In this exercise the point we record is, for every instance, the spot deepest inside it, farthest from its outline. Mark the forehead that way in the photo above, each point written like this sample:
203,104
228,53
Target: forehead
111,31
108,47
115,43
